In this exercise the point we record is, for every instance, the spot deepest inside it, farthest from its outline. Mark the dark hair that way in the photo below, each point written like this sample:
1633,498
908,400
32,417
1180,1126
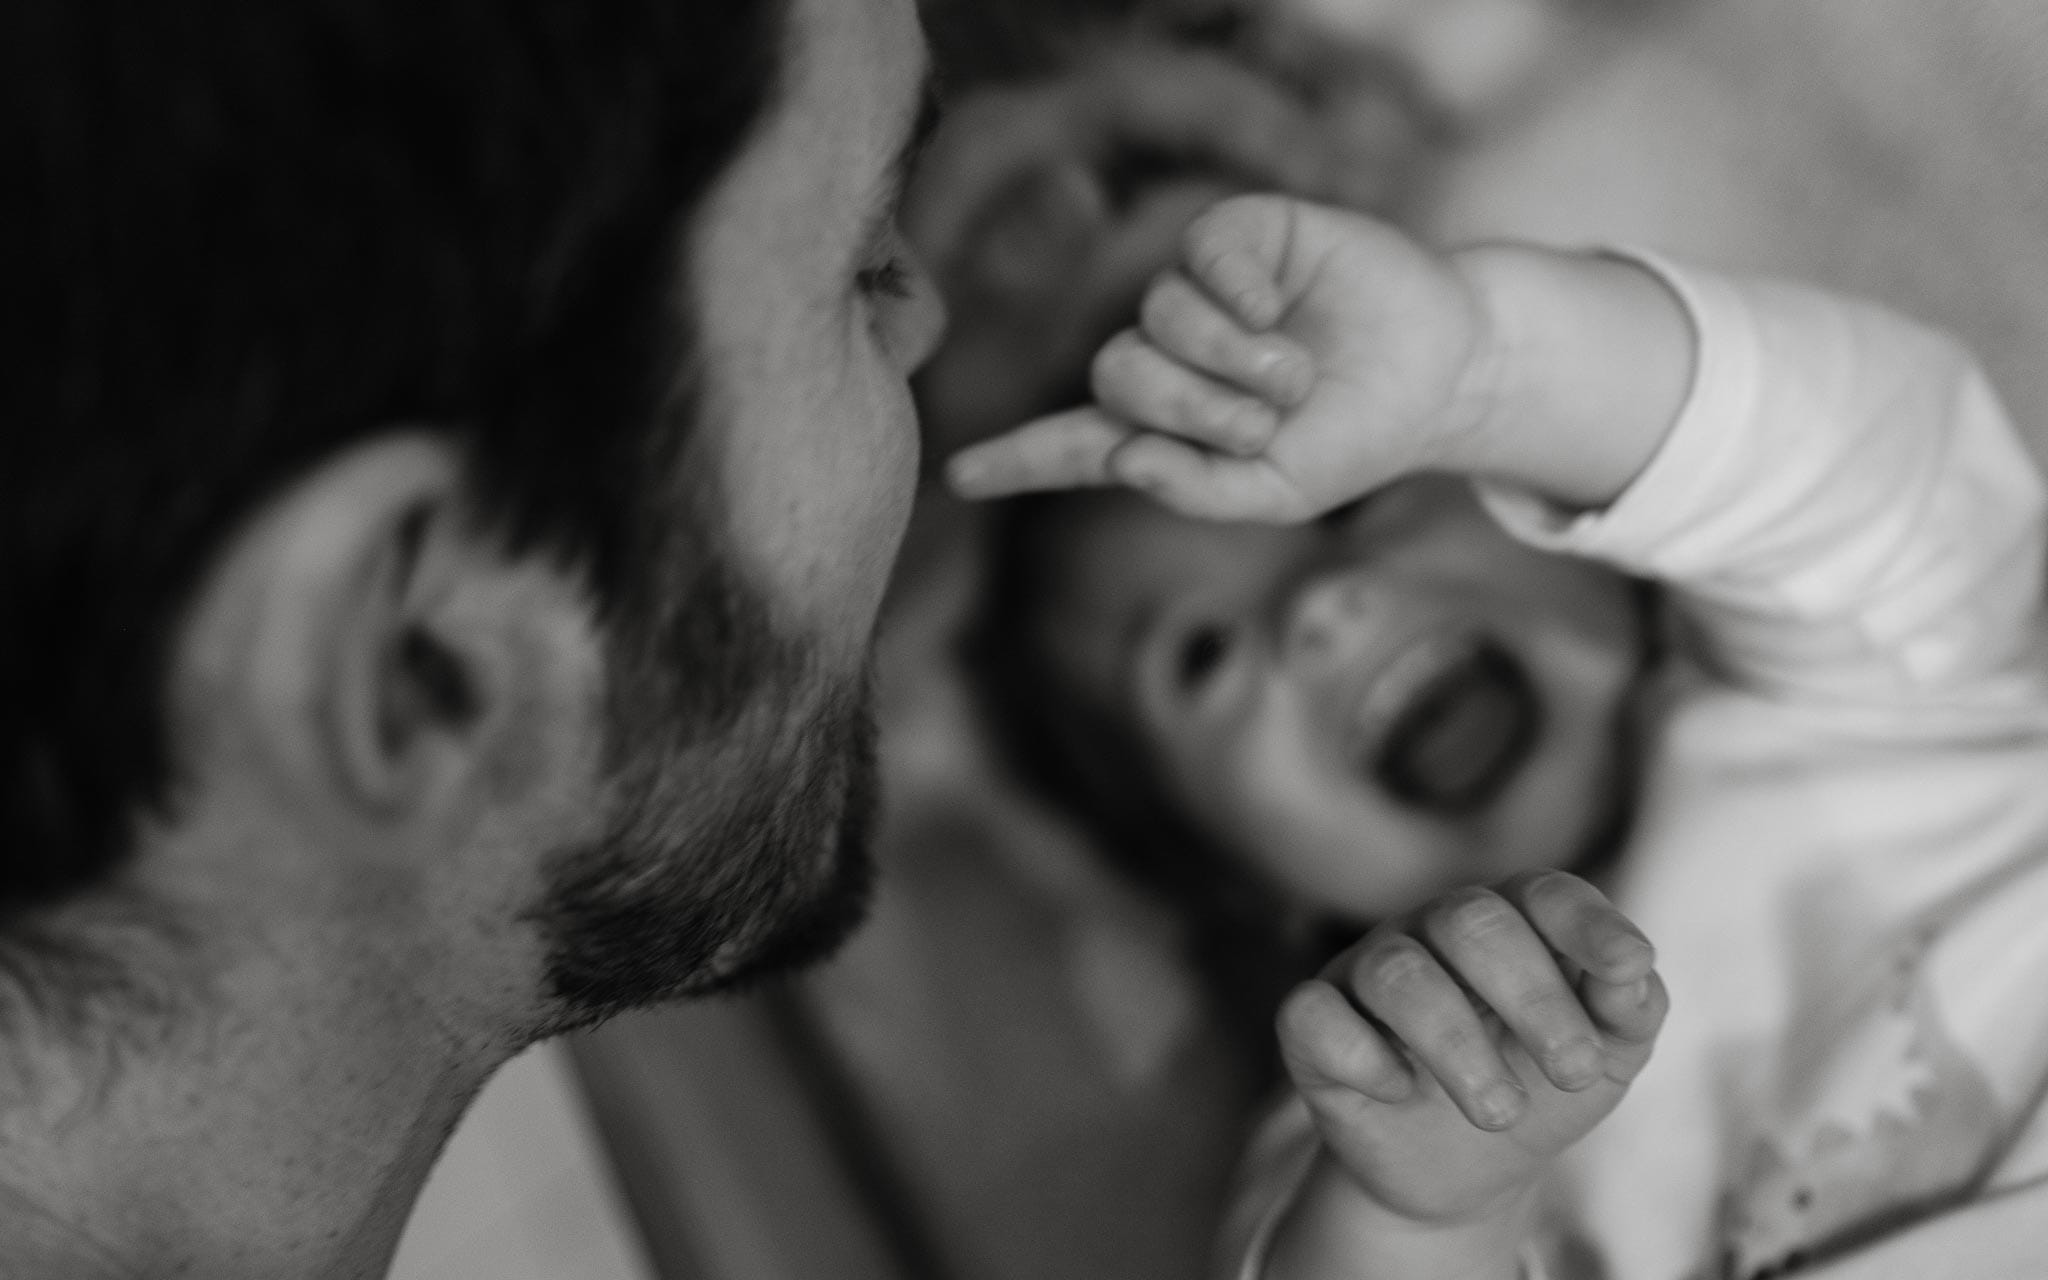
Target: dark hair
239,234
1086,761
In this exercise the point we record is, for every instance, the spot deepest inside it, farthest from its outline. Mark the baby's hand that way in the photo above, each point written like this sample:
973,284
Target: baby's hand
1451,1055
1300,357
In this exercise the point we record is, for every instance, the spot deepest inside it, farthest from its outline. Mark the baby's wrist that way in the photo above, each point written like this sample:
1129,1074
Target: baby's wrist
1494,379
1334,1216
1586,361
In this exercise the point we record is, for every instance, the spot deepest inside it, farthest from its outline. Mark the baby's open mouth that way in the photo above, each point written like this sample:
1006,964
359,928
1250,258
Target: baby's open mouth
1449,723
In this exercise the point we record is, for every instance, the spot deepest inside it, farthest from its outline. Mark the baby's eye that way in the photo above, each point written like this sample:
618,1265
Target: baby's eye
1202,654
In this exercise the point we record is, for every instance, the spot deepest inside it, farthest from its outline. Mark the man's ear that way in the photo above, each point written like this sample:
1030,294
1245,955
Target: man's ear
359,633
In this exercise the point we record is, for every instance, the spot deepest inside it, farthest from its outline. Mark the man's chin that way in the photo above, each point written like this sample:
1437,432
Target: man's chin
807,933
721,884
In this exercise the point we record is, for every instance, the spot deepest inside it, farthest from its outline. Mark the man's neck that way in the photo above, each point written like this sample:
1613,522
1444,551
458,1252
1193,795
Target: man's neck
274,1137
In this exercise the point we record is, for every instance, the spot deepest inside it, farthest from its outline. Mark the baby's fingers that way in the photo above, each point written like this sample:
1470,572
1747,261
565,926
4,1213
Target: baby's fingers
1326,1043
1137,382
1205,485
1061,451
1396,979
1580,924
1188,325
1489,945
1619,986
1238,250
1631,1013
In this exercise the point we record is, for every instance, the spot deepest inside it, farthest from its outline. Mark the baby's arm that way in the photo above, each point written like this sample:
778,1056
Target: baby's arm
1303,356
1447,1059
1835,493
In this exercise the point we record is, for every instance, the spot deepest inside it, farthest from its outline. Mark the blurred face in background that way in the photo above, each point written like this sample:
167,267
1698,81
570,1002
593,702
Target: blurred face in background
1372,709
1391,702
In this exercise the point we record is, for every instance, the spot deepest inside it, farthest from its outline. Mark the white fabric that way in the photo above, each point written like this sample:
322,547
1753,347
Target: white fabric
1840,846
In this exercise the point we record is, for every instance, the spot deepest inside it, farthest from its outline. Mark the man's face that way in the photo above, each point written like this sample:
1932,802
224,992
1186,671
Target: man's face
1394,701
738,723
810,314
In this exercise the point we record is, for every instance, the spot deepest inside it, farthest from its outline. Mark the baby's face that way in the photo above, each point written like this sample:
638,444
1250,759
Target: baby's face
1392,702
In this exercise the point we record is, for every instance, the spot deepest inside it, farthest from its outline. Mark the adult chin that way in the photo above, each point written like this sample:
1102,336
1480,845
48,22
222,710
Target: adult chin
722,862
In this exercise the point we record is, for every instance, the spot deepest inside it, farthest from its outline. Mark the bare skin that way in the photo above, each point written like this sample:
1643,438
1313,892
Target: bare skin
1447,1059
1300,357
339,947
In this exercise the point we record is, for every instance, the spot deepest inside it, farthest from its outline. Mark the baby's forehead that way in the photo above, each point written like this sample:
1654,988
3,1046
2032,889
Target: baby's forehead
1109,557
1087,531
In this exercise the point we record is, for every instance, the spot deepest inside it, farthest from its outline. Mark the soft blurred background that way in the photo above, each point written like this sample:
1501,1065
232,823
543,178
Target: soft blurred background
1013,1071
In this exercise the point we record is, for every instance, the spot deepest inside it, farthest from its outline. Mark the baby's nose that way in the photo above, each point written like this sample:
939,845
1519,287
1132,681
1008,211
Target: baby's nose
1332,619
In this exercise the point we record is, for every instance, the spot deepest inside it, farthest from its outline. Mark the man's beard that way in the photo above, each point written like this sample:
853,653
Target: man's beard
742,785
